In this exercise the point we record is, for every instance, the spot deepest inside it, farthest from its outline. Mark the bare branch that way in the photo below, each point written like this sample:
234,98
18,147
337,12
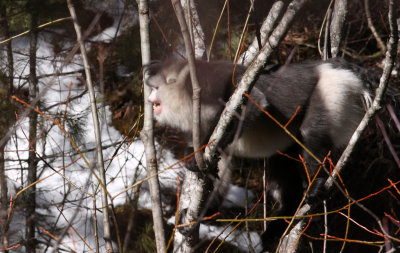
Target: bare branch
147,134
266,29
371,26
99,151
196,31
338,18
247,81
195,183
292,238
380,91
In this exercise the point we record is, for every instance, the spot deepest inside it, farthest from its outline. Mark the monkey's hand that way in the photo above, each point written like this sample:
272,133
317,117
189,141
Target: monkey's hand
317,192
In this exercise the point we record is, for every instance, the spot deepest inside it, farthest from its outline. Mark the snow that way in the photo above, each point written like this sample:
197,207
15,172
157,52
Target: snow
73,185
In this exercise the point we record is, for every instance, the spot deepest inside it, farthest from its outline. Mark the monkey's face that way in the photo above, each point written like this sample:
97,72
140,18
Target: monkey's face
162,81
171,101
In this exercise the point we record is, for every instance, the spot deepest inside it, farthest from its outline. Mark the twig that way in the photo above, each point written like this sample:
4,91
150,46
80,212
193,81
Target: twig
99,151
38,27
322,28
325,226
380,91
371,26
44,89
197,35
242,35
327,40
388,142
266,29
389,60
394,117
248,80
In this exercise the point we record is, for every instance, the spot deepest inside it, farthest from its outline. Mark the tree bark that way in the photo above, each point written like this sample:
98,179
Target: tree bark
195,184
266,28
147,134
336,29
196,30
247,81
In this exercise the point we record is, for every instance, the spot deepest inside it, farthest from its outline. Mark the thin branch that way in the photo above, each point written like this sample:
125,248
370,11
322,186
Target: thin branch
242,35
294,234
380,91
194,186
266,29
327,40
371,26
44,89
195,84
38,27
147,134
248,80
195,29
99,153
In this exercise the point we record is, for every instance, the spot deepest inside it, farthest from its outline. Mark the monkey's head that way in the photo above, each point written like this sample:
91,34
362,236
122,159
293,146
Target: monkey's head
170,94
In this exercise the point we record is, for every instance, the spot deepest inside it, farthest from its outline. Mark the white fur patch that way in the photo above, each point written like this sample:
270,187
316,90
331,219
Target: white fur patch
341,91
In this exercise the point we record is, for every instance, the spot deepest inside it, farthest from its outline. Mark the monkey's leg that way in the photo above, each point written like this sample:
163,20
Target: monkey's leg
285,188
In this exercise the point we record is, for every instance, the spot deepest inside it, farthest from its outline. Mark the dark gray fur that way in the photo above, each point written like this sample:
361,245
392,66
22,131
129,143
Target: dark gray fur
329,95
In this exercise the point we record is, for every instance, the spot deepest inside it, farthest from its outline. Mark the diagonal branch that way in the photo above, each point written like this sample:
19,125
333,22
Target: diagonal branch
248,80
295,233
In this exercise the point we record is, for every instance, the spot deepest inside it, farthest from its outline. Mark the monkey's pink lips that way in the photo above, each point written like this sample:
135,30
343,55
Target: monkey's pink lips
157,108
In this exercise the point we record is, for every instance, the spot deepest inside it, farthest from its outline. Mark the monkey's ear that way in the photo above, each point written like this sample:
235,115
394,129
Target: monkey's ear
152,68
170,79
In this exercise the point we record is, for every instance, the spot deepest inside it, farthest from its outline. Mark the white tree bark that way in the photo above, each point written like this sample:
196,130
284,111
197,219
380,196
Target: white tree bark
247,81
195,29
147,132
336,29
194,186
266,28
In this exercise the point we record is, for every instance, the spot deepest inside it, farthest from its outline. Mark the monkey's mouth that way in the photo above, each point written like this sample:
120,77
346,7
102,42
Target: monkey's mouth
157,108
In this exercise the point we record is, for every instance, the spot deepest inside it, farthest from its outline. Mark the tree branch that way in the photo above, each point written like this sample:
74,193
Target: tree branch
338,18
247,81
266,29
196,31
295,233
371,26
147,134
194,186
97,133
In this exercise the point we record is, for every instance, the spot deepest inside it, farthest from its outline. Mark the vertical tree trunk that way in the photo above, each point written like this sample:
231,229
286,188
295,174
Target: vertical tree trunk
338,17
33,121
147,135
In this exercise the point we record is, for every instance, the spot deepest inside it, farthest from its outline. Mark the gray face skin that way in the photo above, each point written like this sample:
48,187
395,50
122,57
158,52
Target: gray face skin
329,95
